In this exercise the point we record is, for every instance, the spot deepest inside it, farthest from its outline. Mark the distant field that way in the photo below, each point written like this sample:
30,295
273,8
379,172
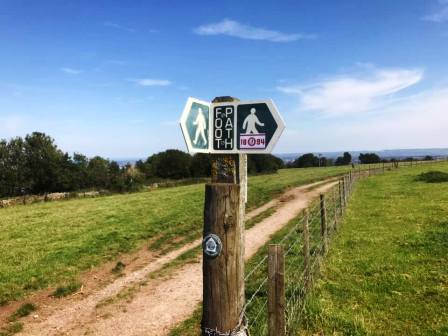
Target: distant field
49,243
387,272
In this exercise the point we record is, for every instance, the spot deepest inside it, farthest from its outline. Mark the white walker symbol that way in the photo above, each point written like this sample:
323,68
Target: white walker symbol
251,121
257,140
231,127
201,125
195,124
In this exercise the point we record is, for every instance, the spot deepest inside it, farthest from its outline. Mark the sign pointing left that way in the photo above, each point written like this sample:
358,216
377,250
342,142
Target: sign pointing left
195,124
252,127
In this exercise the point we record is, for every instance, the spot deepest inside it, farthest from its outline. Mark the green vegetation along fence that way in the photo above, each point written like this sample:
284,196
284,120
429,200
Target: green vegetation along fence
301,251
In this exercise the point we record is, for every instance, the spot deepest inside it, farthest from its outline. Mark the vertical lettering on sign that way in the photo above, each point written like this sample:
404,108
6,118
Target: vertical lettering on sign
223,127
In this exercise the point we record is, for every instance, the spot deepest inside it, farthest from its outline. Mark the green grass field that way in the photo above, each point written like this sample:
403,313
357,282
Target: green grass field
47,244
256,271
387,271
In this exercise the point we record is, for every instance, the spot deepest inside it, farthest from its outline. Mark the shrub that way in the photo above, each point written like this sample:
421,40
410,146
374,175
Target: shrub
433,177
66,290
119,267
24,310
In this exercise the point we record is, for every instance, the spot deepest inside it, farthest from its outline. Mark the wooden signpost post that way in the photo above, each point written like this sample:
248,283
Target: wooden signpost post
228,129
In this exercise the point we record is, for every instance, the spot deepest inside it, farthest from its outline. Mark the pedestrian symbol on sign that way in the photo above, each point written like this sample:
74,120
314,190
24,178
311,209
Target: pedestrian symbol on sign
231,127
251,121
201,126
195,125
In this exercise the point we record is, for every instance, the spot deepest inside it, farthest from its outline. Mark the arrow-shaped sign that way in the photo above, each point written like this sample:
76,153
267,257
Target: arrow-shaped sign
237,127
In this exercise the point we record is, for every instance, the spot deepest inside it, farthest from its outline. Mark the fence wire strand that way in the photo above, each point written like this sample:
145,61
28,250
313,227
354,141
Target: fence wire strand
296,287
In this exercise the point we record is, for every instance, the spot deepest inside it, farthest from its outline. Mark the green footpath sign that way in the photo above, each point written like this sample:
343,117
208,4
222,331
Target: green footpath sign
237,127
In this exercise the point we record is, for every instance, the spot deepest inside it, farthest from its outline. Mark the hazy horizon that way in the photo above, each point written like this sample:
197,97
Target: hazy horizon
113,80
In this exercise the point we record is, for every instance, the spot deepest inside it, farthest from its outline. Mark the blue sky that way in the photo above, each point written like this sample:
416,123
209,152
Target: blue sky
112,77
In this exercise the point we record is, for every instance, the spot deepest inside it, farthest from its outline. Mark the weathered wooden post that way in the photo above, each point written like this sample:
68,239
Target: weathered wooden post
306,251
344,192
341,197
276,291
323,224
223,275
335,201
227,128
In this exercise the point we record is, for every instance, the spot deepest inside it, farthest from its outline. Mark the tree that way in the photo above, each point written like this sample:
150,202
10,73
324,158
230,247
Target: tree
98,172
369,158
133,178
325,162
263,163
43,162
13,176
80,173
116,179
306,161
171,164
201,165
344,160
428,158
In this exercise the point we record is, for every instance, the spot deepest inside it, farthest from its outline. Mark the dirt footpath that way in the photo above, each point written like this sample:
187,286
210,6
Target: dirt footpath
157,305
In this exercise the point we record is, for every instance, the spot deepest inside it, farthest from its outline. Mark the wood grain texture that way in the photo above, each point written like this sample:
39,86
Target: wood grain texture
276,291
223,277
323,224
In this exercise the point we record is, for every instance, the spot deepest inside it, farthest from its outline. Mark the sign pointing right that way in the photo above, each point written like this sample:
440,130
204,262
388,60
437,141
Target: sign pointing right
231,127
245,127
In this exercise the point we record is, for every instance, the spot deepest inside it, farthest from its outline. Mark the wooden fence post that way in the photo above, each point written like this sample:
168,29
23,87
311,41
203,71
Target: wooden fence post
341,203
344,192
323,224
335,199
276,291
223,274
306,251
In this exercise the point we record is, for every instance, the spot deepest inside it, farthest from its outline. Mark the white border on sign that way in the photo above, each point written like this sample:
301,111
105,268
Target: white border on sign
212,116
183,126
275,114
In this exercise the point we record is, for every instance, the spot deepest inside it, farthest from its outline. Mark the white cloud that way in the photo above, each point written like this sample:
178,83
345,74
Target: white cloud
441,15
71,71
353,94
152,82
418,121
236,29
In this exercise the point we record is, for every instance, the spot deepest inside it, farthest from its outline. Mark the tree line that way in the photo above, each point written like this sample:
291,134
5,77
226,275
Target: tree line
175,164
35,165
310,160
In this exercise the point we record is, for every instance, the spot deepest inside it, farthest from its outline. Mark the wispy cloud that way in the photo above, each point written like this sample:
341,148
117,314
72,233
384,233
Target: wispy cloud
417,121
441,15
71,71
236,29
119,27
353,93
151,82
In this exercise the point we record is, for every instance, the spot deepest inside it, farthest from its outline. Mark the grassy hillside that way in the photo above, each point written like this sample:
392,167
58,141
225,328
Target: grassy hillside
49,243
387,273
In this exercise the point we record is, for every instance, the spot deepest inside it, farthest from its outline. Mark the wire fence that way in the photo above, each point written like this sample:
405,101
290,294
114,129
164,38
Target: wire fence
303,253
303,245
